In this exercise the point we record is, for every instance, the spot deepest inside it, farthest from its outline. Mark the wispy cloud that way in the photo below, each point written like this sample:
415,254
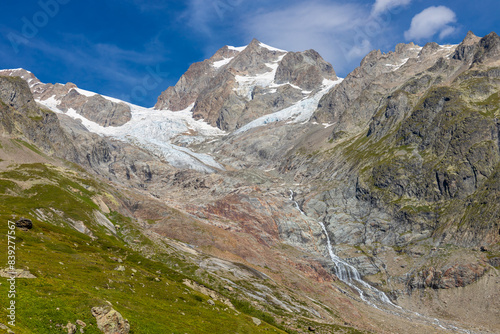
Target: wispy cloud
108,61
335,30
111,70
381,6
343,33
203,16
431,21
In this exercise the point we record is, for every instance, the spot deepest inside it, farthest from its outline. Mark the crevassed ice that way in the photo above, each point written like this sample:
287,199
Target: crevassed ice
153,130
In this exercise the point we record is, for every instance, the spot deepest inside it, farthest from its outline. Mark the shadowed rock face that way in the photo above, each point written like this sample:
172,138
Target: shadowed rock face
14,94
21,117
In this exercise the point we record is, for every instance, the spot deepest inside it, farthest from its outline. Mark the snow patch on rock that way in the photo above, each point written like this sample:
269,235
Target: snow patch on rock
297,113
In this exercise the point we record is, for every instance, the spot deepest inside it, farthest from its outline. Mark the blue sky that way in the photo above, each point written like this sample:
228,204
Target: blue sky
134,49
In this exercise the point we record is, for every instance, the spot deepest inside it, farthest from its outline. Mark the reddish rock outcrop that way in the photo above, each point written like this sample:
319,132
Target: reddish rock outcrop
458,275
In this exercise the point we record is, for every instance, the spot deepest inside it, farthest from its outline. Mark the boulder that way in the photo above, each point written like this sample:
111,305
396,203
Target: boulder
24,224
71,328
110,321
17,273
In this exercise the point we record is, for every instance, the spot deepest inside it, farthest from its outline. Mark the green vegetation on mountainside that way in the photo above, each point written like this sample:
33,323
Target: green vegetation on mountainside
76,272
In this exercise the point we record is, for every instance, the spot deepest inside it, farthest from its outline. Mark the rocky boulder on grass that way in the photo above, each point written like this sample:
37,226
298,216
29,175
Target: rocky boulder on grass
24,224
110,321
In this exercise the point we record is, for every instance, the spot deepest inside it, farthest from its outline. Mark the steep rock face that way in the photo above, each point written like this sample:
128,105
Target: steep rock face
418,171
425,157
22,118
454,276
238,85
64,137
14,94
304,69
194,81
92,106
96,108
412,69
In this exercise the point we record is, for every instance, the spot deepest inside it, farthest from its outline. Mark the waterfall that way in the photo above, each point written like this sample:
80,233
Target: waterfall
346,272
296,204
350,276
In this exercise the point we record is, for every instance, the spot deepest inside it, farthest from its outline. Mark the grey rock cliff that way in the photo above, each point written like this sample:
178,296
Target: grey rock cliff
22,118
304,69
96,108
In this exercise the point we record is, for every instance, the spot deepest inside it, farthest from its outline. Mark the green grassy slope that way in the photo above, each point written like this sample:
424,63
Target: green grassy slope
75,272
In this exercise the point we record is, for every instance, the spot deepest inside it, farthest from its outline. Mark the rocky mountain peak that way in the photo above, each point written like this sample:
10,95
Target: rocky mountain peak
470,39
408,67
223,53
239,84
489,48
477,50
247,60
254,57
429,49
306,70
405,49
23,74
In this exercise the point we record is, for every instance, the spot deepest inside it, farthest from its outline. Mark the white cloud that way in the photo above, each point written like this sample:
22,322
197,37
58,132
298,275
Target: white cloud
336,31
342,32
199,15
447,31
361,50
381,6
432,20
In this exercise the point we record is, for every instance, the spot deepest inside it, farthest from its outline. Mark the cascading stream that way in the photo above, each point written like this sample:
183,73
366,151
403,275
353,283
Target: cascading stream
347,273
350,276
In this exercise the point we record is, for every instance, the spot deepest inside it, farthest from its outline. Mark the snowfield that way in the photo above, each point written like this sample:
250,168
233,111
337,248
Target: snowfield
297,113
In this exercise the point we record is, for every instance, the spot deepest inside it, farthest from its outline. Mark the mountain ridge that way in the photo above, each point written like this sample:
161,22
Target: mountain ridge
399,162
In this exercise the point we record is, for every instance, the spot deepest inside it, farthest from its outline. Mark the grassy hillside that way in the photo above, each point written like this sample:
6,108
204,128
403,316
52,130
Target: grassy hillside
76,271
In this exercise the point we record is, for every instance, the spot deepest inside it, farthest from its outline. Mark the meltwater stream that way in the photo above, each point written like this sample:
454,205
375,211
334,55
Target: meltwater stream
349,274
